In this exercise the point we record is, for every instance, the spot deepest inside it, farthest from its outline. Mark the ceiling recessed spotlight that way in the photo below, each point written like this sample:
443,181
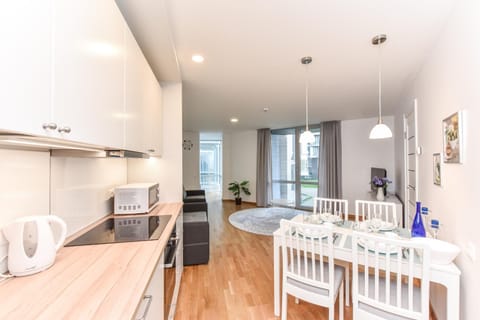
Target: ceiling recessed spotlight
234,120
197,58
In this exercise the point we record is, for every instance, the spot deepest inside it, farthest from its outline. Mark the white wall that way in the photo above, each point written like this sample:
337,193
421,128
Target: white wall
191,161
82,189
167,169
240,161
448,82
359,154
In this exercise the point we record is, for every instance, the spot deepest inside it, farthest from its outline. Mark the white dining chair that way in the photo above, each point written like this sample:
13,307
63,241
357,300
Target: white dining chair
338,207
367,210
309,272
383,285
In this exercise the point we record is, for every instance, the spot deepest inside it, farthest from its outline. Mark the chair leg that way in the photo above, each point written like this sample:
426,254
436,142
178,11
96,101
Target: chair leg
340,303
284,304
347,286
331,312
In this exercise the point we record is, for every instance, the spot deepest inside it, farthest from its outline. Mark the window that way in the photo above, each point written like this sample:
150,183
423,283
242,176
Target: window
294,168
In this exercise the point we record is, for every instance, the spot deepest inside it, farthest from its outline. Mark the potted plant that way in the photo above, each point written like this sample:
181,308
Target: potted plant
237,188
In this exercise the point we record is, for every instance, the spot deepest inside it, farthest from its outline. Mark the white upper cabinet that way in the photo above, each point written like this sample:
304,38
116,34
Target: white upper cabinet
153,137
25,65
142,101
89,71
73,70
136,102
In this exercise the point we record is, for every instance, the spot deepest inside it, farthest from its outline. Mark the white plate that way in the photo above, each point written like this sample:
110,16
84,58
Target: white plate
382,247
379,224
328,217
308,234
387,226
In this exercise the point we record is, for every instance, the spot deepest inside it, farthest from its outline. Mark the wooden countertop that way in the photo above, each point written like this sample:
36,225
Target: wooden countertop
88,282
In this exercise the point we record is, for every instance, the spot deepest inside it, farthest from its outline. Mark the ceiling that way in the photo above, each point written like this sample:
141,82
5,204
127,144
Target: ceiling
252,53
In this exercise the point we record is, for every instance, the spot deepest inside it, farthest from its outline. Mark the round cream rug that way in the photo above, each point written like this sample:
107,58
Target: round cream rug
262,221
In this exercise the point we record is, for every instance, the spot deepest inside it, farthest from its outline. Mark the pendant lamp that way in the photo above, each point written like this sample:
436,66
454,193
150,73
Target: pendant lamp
381,130
307,135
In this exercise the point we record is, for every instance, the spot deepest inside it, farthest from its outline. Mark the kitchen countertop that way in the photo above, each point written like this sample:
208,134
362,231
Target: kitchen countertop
88,282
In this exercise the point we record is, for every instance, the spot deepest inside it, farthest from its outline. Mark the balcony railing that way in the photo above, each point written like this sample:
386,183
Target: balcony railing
210,179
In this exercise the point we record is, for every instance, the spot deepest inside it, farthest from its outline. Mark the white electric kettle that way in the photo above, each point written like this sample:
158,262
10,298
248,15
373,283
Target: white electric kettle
31,244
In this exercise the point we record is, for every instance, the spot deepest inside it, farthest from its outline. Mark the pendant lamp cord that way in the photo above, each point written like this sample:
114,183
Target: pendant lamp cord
379,83
306,96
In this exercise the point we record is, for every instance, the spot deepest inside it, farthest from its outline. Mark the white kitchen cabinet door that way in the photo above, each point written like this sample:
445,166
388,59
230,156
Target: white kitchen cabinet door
89,71
25,64
136,99
153,132
151,306
143,101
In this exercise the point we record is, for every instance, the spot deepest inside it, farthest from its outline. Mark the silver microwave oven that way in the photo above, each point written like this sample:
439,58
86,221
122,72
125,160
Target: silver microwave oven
135,198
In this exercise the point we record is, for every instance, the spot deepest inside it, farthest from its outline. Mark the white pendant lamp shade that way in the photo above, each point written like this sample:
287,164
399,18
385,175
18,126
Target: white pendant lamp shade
381,130
307,135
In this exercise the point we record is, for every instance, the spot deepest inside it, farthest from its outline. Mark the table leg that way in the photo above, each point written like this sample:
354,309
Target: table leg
347,285
276,277
453,300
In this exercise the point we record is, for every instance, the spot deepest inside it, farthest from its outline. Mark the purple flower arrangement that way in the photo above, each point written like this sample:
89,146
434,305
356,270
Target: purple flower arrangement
380,182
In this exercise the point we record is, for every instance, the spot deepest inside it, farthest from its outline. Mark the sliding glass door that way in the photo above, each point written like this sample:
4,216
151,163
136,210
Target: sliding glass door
294,168
308,178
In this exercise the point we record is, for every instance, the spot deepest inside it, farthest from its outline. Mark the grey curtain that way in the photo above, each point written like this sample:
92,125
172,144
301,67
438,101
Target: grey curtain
330,160
264,167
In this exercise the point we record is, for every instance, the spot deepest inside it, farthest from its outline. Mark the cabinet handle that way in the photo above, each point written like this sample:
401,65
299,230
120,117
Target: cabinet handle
64,129
145,312
49,126
151,150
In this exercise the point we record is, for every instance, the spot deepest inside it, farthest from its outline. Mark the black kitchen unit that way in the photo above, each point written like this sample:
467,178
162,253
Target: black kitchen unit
123,229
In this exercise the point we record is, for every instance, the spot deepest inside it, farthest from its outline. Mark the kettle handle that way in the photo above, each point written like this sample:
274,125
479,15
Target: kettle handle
63,234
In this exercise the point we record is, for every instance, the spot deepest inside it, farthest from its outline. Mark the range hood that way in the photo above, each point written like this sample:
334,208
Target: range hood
64,148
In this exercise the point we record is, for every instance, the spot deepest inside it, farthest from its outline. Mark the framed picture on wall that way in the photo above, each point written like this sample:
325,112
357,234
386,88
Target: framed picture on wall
452,138
437,169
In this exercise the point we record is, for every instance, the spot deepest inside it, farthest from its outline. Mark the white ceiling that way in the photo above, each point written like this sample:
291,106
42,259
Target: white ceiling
252,51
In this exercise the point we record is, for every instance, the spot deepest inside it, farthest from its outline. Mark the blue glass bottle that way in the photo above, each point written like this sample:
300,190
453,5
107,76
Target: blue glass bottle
418,230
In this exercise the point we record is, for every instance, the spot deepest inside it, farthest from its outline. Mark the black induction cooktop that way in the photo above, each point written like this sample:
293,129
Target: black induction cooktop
123,229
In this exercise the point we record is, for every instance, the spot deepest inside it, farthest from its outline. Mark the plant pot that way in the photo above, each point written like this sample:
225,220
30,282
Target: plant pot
238,201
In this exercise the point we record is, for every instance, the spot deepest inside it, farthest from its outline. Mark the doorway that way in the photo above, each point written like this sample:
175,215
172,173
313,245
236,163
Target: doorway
211,162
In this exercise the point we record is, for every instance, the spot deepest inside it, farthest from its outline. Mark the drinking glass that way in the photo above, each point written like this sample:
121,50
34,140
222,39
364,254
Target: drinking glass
435,227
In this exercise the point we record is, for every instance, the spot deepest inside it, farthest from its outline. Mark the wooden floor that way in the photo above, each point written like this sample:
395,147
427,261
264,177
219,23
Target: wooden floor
237,283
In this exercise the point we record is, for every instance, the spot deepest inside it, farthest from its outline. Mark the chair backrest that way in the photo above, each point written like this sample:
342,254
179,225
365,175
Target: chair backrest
386,279
305,248
337,207
385,211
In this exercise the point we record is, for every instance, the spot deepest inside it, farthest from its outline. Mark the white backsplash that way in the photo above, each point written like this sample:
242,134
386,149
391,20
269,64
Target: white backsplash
81,188
24,189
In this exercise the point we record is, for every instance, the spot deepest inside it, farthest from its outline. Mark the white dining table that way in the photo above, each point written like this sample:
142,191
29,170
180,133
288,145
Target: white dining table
446,275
